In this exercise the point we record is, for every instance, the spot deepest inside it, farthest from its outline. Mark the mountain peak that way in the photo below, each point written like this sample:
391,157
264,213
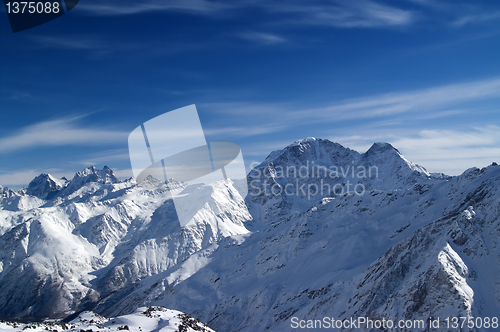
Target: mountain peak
44,186
322,151
304,140
88,175
379,147
384,154
87,171
92,174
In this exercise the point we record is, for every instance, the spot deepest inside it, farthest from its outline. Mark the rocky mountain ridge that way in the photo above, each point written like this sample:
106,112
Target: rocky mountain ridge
410,245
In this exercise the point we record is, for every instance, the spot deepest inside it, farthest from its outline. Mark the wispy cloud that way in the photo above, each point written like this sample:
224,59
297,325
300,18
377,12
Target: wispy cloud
21,96
441,151
102,45
107,157
419,100
449,139
76,43
396,107
13,94
113,8
477,18
92,44
263,38
458,13
401,118
451,151
18,179
123,173
257,149
245,131
59,132
344,14
445,151
336,13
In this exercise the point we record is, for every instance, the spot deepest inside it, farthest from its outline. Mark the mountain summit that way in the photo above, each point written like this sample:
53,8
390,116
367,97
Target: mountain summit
45,186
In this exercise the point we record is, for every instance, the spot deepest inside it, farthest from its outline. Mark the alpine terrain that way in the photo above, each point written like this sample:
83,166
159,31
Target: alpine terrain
325,236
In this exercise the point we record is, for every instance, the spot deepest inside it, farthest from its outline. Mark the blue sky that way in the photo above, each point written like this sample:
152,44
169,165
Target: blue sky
421,75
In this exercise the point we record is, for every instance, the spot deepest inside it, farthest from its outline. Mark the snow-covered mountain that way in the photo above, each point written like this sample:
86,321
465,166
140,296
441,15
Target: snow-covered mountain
324,232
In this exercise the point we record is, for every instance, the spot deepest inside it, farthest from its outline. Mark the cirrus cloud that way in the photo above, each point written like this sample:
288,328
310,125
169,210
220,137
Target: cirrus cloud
59,132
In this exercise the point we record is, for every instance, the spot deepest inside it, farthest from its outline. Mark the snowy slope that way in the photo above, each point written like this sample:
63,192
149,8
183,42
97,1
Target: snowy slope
307,262
96,236
406,245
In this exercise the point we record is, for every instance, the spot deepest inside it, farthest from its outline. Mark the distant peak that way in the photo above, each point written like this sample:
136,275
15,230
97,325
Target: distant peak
87,171
43,186
43,177
381,153
92,170
312,142
304,140
382,146
312,149
149,180
92,174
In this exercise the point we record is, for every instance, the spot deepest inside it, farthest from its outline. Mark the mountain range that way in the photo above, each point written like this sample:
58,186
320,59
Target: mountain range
325,234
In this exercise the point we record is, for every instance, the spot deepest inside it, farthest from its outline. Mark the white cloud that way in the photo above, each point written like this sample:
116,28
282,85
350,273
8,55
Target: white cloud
108,157
458,13
443,151
59,132
76,43
477,18
20,96
263,38
361,143
452,152
112,8
19,179
245,131
431,99
392,109
400,118
346,14
264,148
123,173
